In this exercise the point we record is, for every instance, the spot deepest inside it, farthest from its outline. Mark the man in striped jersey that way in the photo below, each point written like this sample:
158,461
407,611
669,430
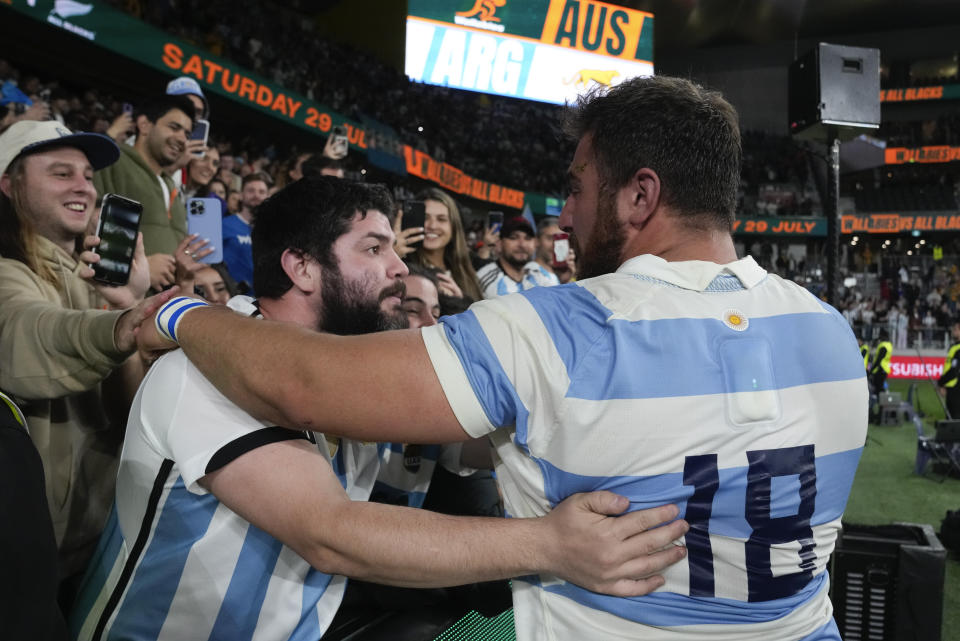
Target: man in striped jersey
515,270
226,526
672,372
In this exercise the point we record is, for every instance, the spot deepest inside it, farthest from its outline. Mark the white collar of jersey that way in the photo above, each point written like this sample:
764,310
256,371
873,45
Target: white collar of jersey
693,274
244,305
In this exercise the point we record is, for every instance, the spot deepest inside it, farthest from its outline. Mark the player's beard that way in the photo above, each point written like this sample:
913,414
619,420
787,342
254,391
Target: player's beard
604,252
348,309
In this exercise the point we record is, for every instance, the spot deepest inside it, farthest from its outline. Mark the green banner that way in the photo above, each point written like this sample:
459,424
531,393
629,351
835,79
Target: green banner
134,39
130,37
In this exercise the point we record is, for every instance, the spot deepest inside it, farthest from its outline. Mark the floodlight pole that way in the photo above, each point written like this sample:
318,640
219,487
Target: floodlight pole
831,209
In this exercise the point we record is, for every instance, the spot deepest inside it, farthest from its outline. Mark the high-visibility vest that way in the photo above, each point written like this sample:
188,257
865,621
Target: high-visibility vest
865,352
885,363
946,364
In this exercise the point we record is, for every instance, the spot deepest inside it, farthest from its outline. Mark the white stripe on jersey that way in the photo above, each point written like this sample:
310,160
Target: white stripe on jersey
188,615
610,426
540,615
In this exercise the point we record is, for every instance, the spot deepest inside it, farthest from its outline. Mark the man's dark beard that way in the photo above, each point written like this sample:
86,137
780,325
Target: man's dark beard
604,252
515,262
347,309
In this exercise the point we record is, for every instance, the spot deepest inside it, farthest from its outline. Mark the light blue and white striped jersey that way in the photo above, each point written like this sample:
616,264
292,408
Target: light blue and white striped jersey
173,562
725,390
495,282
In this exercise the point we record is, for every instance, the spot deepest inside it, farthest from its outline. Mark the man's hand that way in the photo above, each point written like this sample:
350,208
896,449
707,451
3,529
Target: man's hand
121,128
163,270
126,332
192,147
125,296
588,544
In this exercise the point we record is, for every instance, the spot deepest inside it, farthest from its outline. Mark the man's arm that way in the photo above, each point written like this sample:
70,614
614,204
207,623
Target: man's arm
289,490
376,387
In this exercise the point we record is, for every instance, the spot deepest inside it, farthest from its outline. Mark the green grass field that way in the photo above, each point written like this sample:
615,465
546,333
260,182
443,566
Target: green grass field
886,490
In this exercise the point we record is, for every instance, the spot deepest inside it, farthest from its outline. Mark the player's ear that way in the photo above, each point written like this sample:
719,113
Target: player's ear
640,197
302,269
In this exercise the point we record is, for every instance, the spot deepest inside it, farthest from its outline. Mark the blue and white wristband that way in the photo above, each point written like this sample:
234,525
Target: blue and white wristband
170,314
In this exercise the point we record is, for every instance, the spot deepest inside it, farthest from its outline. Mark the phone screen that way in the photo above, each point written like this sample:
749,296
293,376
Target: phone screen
119,224
414,215
495,220
561,248
201,130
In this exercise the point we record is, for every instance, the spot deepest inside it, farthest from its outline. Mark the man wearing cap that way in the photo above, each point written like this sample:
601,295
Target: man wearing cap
141,173
515,270
62,335
187,86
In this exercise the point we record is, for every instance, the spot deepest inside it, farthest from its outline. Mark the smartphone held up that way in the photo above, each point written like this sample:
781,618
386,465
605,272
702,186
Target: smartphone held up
117,229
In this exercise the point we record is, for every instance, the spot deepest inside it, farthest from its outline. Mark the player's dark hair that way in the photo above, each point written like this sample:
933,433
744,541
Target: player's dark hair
308,216
688,135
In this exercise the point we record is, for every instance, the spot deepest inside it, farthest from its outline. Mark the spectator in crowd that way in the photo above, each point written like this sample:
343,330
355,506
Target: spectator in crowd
292,170
190,88
547,228
162,130
515,268
233,202
591,386
61,334
210,285
323,262
237,248
200,173
444,247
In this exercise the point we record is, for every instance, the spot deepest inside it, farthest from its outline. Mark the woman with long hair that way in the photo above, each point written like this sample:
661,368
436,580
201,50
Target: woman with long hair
443,246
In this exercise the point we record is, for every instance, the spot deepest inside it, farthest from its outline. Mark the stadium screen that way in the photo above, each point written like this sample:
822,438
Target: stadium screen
546,50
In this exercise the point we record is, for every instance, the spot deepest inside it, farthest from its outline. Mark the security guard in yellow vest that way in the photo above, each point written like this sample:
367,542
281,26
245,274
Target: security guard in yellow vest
865,352
951,373
880,368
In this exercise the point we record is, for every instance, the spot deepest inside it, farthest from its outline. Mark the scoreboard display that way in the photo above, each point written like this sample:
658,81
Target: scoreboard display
546,50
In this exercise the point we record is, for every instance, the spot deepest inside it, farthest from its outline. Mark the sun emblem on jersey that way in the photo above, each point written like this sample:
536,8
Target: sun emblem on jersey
735,320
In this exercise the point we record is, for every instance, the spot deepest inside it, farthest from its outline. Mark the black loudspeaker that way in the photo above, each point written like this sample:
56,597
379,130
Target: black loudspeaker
835,86
948,431
887,583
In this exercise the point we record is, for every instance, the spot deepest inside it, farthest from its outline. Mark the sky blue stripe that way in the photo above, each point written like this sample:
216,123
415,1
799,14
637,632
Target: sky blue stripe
678,357
104,558
489,381
314,586
835,474
574,318
240,609
671,609
431,61
183,521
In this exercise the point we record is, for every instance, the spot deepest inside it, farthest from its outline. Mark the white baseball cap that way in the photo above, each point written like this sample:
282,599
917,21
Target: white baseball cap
184,86
30,136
